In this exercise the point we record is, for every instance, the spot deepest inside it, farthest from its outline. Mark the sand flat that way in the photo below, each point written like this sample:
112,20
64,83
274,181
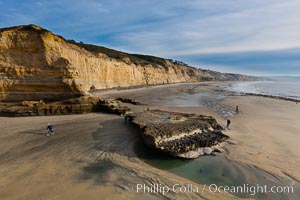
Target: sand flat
91,156
268,132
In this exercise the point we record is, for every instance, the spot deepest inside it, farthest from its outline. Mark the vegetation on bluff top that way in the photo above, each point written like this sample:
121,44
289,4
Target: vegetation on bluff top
137,59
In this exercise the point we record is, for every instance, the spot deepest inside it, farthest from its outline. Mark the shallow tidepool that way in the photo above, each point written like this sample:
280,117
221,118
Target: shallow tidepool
216,170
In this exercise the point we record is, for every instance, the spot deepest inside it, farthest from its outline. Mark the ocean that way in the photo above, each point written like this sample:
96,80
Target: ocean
275,88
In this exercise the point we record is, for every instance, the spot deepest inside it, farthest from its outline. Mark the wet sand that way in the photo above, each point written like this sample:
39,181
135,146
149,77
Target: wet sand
267,130
90,157
93,156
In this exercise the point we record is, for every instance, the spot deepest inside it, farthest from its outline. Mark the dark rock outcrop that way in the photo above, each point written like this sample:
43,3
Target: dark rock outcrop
179,134
85,104
127,100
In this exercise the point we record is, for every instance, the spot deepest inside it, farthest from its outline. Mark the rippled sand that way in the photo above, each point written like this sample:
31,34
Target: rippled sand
92,156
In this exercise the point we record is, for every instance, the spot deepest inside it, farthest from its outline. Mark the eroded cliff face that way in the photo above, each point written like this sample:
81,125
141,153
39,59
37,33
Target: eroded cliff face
27,72
36,64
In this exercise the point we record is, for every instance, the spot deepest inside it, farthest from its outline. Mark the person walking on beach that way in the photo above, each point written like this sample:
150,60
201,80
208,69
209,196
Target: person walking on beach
50,129
228,123
237,109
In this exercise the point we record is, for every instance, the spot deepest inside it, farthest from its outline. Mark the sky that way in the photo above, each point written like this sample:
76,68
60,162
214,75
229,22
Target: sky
241,36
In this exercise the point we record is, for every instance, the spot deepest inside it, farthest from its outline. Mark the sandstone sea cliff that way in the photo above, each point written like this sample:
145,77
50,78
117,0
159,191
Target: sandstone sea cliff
36,64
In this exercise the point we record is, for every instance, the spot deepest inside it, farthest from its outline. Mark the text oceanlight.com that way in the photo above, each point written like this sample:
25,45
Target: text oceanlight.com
213,188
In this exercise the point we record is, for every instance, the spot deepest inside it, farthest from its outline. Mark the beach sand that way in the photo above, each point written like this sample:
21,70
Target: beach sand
268,135
92,156
267,130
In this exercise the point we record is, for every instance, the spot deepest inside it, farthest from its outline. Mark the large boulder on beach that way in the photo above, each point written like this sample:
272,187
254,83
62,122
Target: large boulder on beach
179,134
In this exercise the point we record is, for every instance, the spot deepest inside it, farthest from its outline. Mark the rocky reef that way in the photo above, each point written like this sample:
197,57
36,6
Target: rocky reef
271,96
37,64
179,134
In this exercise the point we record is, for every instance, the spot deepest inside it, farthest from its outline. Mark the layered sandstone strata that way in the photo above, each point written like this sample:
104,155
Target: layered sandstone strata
81,105
35,64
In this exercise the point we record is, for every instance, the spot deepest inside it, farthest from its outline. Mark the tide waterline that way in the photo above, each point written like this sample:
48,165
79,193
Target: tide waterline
279,88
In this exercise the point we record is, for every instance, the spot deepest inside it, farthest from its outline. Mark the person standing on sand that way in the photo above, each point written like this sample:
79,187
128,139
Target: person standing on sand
228,123
237,109
50,129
